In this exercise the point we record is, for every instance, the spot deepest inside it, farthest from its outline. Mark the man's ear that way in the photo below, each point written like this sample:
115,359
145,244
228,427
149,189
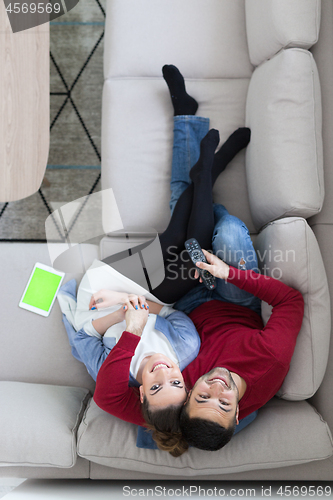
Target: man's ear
142,394
188,397
237,413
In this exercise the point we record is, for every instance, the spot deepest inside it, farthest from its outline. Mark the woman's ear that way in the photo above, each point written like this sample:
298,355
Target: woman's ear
142,394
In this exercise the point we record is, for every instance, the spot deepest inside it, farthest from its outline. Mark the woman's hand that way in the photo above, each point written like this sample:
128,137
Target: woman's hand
106,298
137,301
215,266
136,319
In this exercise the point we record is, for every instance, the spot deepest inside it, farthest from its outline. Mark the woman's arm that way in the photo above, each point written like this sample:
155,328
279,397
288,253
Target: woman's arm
154,308
102,324
112,392
108,298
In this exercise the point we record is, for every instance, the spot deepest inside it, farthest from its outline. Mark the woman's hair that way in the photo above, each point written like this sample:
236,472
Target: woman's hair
164,424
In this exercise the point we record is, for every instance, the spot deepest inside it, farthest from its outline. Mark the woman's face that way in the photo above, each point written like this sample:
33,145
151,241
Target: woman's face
162,382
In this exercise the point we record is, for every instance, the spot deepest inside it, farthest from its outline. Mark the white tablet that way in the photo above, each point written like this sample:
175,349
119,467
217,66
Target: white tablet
41,290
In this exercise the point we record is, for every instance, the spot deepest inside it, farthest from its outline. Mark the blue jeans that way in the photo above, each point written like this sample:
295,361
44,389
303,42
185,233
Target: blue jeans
231,239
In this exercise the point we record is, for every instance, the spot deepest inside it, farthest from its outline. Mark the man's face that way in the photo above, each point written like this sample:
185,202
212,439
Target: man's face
162,382
215,397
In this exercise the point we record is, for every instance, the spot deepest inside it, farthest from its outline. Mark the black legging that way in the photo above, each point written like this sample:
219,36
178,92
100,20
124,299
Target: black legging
193,217
195,221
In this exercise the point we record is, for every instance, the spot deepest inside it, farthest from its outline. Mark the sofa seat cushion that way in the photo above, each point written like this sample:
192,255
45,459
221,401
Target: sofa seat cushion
145,159
38,424
283,427
284,160
288,250
272,25
143,35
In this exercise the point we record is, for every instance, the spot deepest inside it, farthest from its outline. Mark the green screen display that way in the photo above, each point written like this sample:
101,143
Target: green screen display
41,290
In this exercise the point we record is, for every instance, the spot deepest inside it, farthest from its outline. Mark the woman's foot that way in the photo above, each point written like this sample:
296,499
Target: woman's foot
208,146
183,103
237,141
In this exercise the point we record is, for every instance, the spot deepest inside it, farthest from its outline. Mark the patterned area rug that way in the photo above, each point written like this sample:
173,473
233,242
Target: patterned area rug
76,81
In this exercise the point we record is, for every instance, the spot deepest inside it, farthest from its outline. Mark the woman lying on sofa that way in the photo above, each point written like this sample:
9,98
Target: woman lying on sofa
169,341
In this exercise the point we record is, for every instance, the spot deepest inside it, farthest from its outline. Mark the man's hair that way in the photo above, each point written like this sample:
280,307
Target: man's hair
164,424
205,434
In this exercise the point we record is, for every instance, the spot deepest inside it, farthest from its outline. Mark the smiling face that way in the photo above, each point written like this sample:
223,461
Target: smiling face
215,397
162,382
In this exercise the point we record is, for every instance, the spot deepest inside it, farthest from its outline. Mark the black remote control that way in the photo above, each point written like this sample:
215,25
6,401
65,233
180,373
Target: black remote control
197,255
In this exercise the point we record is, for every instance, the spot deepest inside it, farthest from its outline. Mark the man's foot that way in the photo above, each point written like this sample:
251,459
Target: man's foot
183,104
208,146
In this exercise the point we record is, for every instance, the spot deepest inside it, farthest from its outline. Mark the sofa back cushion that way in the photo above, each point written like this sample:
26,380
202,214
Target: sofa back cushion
143,35
284,160
273,25
288,250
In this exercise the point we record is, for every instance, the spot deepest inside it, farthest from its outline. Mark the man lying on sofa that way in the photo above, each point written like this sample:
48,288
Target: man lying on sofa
241,363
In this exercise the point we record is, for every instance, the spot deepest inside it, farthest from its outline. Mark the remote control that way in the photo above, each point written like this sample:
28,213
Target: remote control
197,255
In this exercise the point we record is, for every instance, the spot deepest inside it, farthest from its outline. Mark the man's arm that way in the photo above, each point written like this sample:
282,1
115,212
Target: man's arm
280,332
264,287
284,324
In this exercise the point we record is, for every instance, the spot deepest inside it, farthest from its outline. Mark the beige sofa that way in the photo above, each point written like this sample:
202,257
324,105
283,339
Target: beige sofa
246,62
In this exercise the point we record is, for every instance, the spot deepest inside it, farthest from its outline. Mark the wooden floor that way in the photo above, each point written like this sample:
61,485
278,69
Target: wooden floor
75,135
24,98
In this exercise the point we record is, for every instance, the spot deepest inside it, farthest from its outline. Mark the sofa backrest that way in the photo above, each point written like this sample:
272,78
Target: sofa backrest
273,25
188,34
284,160
288,250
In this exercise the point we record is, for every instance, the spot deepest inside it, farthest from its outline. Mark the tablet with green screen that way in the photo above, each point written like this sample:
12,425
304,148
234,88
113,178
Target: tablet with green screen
41,290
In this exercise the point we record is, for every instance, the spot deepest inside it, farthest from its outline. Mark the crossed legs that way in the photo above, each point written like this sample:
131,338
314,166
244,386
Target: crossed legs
230,240
193,210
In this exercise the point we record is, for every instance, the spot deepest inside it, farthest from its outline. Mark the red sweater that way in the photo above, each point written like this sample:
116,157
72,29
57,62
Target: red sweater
231,336
234,337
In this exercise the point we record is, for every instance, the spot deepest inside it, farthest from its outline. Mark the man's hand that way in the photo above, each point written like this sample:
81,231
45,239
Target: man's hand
215,266
136,319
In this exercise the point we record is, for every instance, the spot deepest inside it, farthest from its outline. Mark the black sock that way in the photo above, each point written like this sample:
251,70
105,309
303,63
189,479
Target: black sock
207,149
235,143
183,104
